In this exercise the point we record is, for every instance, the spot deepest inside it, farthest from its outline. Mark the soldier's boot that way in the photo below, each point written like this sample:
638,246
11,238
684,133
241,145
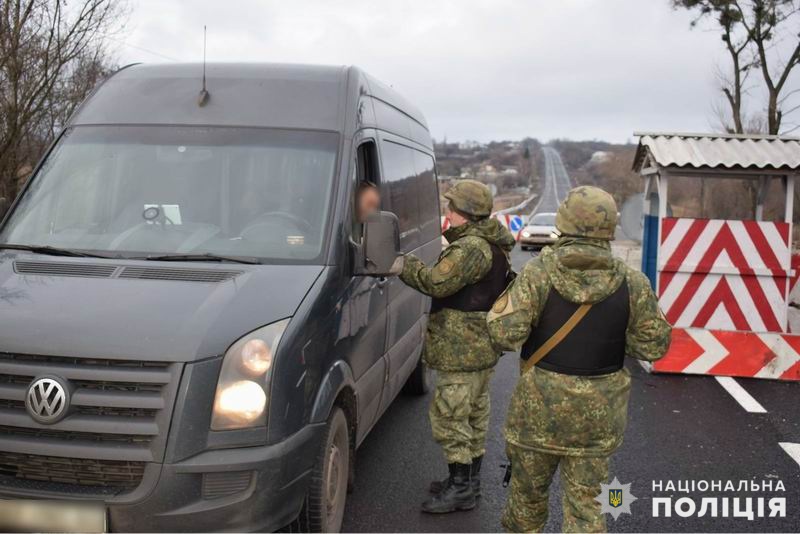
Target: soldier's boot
475,479
475,475
456,495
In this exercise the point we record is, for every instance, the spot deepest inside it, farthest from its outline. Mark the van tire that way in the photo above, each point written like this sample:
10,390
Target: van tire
420,380
329,479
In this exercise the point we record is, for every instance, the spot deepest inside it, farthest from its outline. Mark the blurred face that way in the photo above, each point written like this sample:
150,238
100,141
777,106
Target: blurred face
369,201
455,219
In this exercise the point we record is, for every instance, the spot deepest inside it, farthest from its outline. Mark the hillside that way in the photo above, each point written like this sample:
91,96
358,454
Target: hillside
514,168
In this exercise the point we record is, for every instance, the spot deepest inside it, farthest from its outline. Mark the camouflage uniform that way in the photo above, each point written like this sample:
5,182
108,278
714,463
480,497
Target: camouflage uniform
559,419
457,344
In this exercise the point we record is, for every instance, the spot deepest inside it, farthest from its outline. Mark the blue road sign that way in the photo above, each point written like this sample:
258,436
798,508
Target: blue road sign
515,224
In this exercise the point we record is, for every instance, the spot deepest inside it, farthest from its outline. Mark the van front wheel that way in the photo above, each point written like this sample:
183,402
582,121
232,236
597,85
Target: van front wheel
324,507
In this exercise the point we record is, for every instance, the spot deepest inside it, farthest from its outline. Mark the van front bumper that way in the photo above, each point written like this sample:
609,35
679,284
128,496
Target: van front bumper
212,491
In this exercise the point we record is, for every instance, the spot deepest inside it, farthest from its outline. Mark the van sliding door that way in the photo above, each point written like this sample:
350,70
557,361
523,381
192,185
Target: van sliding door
406,306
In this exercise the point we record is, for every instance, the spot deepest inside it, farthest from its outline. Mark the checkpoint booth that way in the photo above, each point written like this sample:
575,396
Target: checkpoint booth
723,282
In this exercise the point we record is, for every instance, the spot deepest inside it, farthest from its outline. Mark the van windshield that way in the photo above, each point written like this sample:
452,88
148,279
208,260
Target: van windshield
157,190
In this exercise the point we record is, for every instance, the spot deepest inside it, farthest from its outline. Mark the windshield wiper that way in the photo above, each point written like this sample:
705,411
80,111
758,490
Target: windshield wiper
201,257
55,251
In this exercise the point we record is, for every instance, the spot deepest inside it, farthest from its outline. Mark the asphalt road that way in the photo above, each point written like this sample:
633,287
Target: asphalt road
681,428
556,182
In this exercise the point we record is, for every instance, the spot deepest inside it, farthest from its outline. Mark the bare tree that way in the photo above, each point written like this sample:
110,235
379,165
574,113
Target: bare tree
737,40
763,20
51,55
754,32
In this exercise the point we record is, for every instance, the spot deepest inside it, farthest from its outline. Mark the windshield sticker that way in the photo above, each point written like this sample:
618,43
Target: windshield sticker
163,214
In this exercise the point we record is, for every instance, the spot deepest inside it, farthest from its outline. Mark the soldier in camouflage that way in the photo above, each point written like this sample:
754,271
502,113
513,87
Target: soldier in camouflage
570,409
464,283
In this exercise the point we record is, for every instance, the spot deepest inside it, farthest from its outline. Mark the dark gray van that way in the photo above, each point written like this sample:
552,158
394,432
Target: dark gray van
194,329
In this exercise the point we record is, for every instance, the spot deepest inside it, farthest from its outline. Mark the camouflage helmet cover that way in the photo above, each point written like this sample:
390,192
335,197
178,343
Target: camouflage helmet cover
471,197
587,212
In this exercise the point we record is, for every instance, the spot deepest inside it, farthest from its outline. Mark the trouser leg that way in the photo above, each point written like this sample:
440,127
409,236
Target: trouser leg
449,414
531,475
581,479
480,410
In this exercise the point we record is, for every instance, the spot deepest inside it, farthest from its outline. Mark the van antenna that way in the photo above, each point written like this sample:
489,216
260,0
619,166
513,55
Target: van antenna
202,98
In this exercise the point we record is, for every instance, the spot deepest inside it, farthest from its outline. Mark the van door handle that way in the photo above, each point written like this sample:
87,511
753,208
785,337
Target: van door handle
382,281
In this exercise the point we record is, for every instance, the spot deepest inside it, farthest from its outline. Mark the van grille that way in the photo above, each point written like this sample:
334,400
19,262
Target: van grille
55,268
178,274
217,485
117,423
82,472
38,433
131,272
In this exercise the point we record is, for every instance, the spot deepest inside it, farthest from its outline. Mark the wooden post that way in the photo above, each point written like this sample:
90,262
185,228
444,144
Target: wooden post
788,188
761,195
663,192
702,198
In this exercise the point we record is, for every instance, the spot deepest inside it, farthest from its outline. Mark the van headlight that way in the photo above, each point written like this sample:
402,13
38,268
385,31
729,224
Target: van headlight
526,233
243,384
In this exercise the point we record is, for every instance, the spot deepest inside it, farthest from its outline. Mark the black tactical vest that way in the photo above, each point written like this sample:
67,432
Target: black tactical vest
481,295
596,346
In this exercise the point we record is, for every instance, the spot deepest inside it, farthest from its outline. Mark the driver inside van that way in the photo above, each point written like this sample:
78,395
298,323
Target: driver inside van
368,200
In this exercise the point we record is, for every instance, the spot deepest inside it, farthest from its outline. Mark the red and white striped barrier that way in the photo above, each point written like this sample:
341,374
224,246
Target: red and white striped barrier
725,275
745,354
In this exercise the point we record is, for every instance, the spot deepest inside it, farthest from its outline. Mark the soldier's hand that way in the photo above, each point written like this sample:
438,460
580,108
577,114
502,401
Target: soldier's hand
397,266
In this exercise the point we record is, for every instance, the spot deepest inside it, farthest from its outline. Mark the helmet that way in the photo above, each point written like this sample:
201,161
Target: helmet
471,197
587,212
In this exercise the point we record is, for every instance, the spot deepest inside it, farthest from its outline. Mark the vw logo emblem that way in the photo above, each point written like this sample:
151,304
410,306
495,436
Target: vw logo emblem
47,399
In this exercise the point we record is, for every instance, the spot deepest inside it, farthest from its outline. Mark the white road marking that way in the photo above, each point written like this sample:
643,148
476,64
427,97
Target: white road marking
793,450
740,395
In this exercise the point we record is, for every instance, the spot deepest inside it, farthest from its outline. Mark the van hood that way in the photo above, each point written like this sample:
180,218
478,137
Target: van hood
141,319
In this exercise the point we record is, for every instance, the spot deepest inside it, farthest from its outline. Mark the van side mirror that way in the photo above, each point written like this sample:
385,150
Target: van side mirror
381,244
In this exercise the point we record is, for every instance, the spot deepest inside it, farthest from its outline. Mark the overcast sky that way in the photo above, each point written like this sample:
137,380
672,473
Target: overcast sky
478,69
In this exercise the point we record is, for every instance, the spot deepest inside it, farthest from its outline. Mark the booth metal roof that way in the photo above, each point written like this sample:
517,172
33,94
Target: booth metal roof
718,151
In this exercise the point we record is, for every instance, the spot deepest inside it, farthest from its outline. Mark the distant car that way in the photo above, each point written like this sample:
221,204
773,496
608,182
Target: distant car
539,232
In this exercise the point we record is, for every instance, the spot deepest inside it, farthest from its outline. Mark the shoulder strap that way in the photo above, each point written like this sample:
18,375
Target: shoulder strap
558,337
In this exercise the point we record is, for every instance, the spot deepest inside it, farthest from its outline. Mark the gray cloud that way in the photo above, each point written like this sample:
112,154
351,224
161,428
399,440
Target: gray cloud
479,69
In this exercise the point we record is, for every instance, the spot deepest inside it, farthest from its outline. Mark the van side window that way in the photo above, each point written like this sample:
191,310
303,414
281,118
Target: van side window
428,194
401,185
366,175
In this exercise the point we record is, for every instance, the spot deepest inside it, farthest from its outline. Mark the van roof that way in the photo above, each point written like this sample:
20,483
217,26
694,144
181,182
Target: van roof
241,94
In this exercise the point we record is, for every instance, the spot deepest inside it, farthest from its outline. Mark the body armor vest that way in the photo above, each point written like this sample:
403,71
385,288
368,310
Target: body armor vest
596,346
481,295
